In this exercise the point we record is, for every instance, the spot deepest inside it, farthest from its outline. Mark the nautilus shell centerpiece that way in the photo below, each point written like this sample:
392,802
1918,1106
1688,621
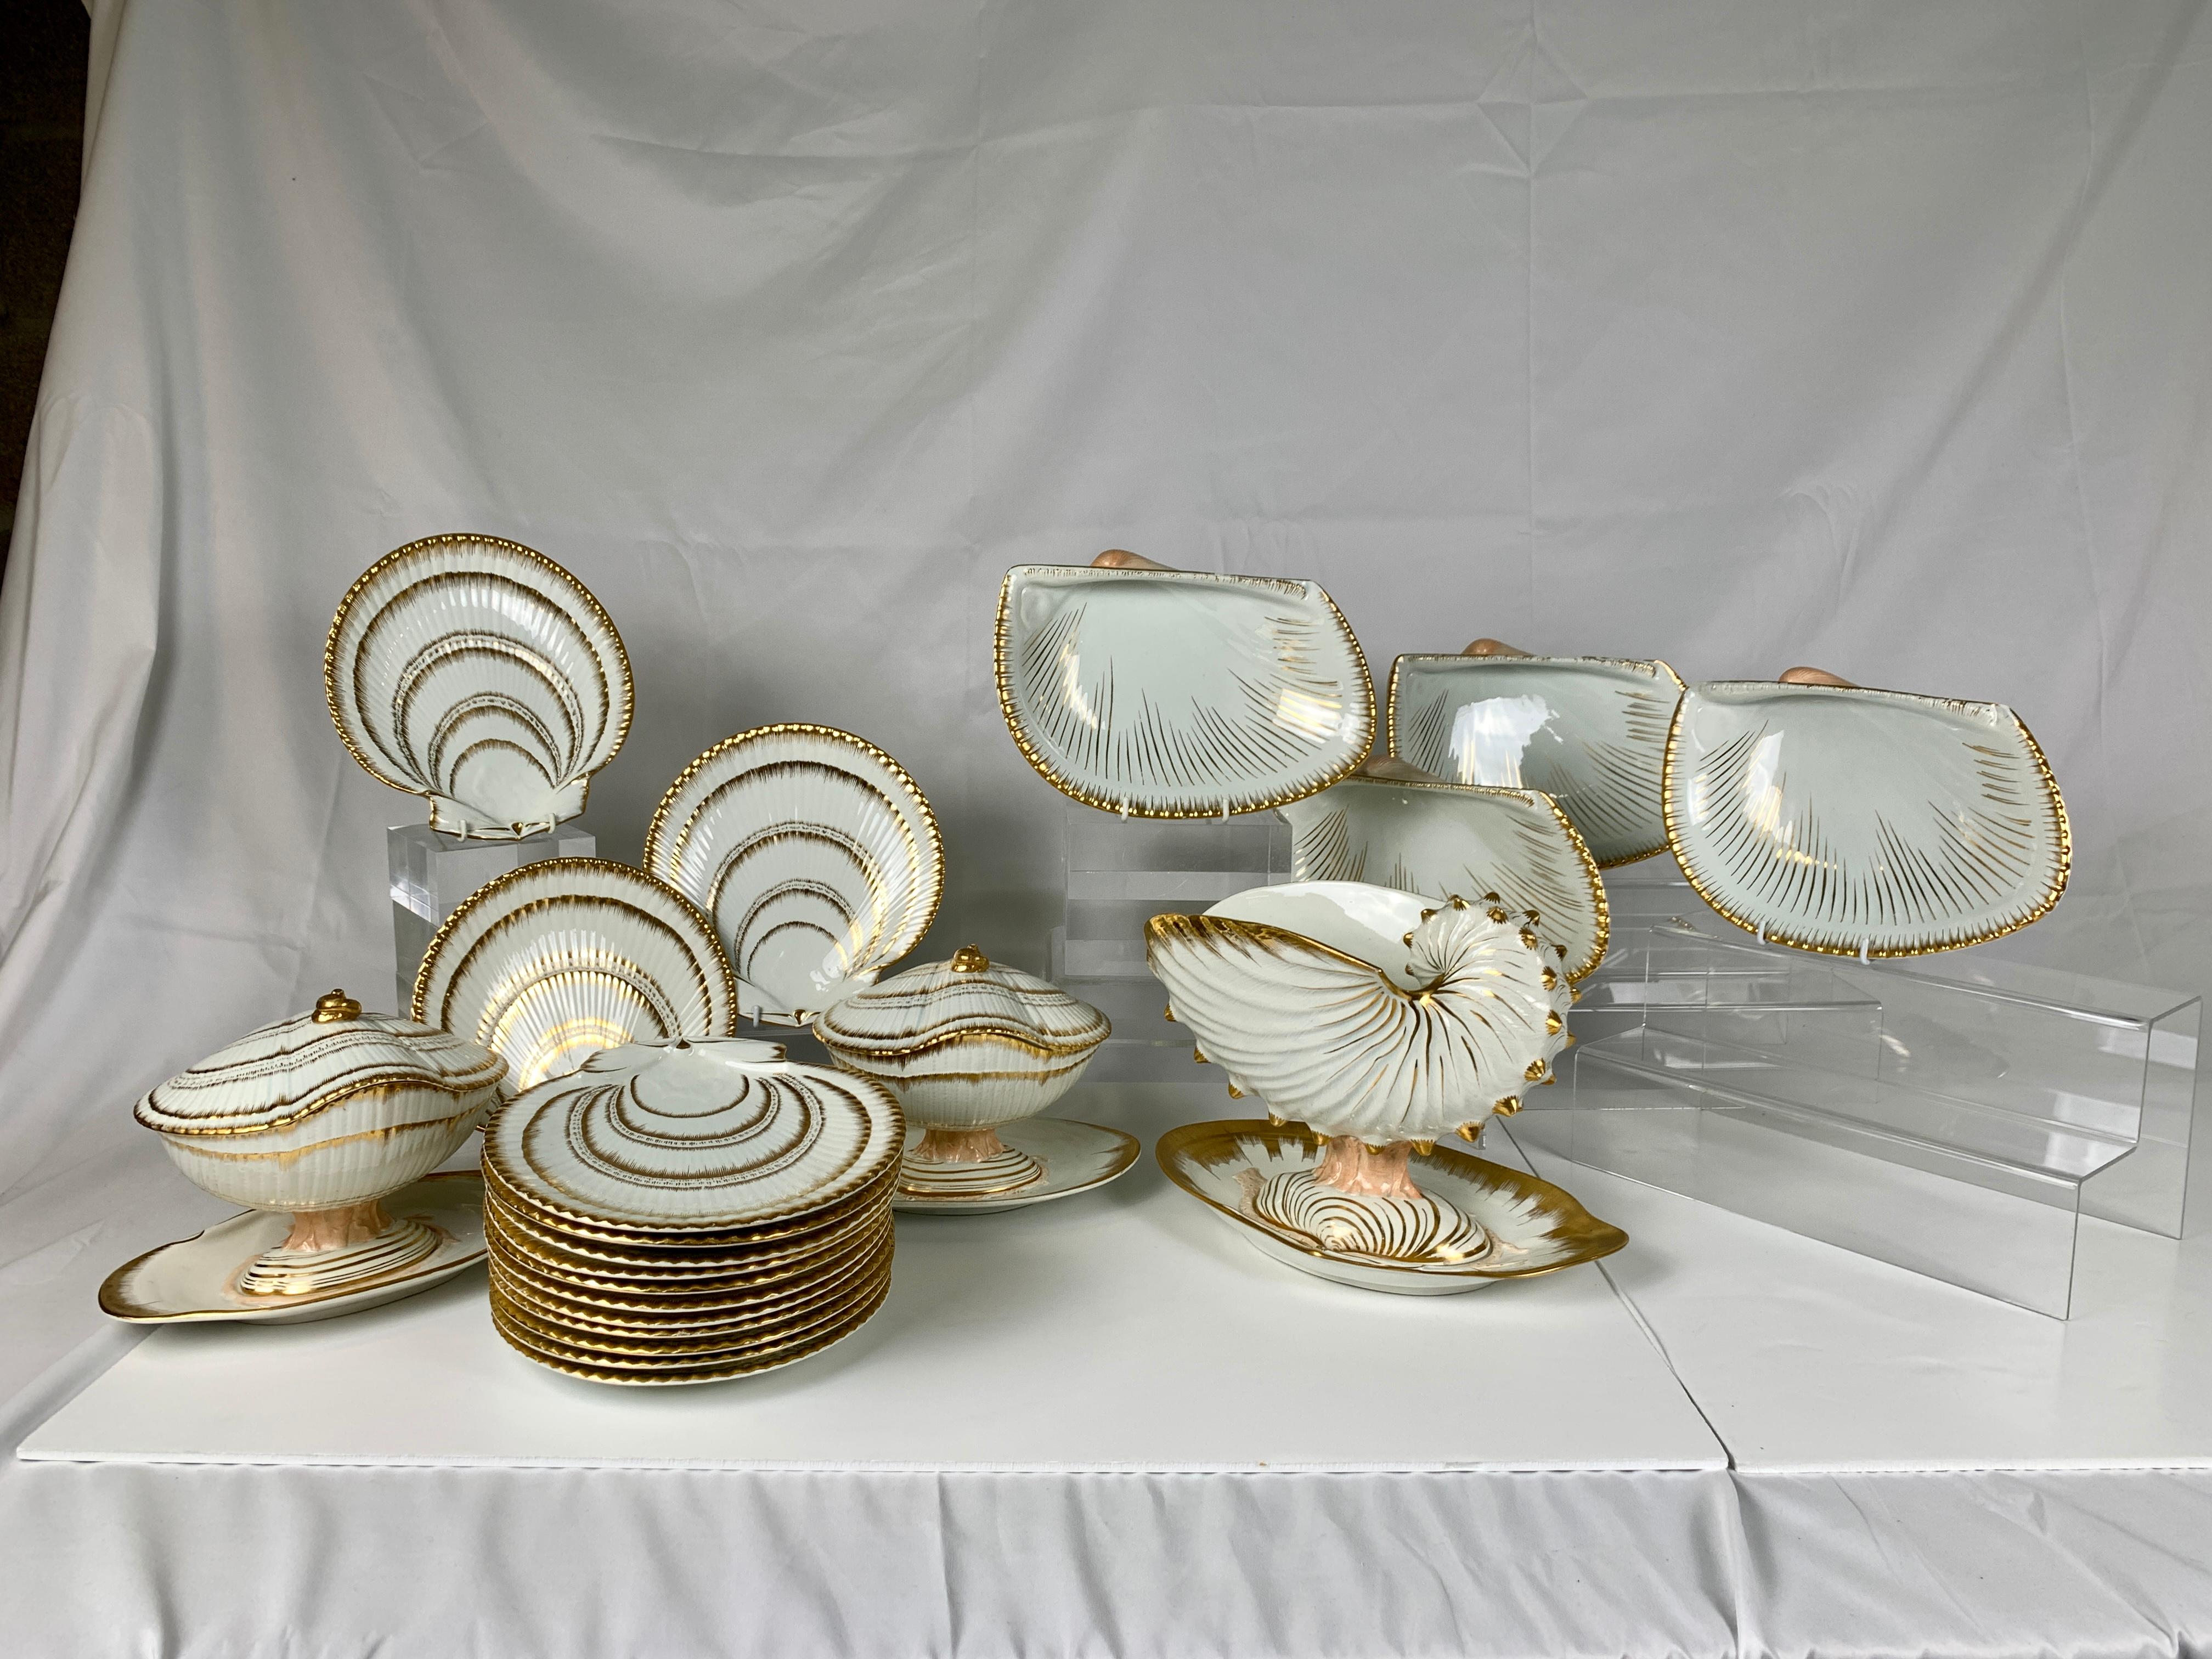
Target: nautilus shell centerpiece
1381,1022
1589,731
1396,826
1178,694
1842,819
480,674
817,857
324,1116
552,962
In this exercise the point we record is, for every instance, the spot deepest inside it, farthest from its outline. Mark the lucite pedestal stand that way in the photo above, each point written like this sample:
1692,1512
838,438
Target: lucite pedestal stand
1952,1115
1121,872
432,873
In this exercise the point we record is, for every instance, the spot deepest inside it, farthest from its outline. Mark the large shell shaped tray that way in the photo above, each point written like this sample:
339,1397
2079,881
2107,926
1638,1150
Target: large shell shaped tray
480,674
1179,694
1856,822
686,1211
817,857
1589,731
550,964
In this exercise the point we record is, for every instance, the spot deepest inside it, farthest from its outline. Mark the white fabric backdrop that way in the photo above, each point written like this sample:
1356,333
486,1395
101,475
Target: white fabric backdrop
1737,333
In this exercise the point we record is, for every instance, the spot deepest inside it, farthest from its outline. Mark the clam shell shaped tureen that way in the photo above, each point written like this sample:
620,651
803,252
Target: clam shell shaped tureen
685,1211
1380,1021
1166,694
1589,731
480,674
968,1046
324,1116
1855,822
817,857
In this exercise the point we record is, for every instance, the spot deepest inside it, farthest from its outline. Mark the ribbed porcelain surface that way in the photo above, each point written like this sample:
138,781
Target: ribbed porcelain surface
552,962
1179,694
815,856
477,672
1589,731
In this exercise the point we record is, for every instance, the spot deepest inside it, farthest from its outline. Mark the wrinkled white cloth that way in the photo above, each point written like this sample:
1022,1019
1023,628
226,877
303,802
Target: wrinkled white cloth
1741,336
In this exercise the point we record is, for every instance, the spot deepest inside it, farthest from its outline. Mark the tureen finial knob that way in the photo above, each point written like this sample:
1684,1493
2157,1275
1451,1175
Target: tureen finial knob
332,1006
970,960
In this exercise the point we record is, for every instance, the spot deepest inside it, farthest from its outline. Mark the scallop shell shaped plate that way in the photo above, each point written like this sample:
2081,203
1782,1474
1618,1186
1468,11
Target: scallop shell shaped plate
478,672
817,856
1589,731
698,1136
1179,694
1443,840
1843,819
554,962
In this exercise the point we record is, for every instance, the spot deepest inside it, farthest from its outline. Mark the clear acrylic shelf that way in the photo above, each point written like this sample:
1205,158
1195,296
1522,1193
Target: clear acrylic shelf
432,873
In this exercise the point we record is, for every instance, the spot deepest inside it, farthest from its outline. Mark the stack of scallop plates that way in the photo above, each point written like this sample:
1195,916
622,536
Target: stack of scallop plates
688,1211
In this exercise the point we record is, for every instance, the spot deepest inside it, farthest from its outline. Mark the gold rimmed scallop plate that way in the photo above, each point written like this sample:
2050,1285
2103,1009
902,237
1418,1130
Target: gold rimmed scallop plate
682,1299
1535,1227
197,1277
551,1262
684,1346
1077,1158
787,1302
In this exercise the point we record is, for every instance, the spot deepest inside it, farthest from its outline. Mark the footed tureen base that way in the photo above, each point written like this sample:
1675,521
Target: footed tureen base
966,1164
334,1249
1361,1201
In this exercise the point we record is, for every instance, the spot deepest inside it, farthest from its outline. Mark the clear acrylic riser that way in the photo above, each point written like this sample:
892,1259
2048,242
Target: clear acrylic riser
1120,873
432,872
1954,1116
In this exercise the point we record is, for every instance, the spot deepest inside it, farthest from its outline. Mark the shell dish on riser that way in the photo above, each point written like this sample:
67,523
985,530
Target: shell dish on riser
1446,841
1170,694
1844,819
1360,1011
967,1043
554,962
817,857
1589,731
318,1112
477,672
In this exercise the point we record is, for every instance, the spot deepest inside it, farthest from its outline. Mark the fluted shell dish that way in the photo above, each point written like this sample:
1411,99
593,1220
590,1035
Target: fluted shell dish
1589,731
1852,821
478,673
1179,694
816,856
1448,840
1528,1225
548,965
1365,1011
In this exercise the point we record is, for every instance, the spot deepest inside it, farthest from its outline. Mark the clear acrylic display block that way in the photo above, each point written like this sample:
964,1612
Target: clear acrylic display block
1955,1117
1121,872
432,873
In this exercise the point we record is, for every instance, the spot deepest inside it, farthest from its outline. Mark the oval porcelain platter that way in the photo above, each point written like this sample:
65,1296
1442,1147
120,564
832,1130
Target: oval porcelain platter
1167,694
477,672
1862,822
548,965
1446,841
816,856
1589,731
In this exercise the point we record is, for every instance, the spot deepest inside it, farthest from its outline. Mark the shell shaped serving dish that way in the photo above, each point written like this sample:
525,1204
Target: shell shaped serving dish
476,672
1851,821
1589,731
1532,1227
321,1116
1363,1012
1444,841
814,854
1171,694
548,965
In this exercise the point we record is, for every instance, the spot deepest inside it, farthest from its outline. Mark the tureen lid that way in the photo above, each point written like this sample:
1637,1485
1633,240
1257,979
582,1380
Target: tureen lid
695,1132
941,1002
296,1067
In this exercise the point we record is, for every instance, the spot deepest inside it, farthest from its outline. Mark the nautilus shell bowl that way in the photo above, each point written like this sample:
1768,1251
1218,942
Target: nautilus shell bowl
814,854
476,672
323,1115
968,1046
1382,1022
